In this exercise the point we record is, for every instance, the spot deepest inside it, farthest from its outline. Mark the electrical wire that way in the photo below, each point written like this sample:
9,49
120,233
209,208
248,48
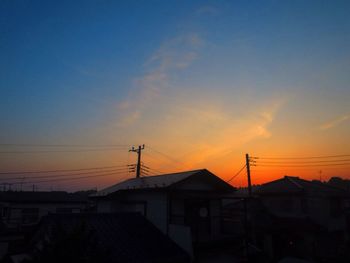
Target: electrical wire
166,156
60,151
314,165
156,171
302,162
306,157
233,177
171,163
63,145
63,170
66,179
63,175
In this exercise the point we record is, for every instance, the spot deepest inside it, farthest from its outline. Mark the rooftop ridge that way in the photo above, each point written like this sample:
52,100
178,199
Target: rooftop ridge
291,179
156,175
154,181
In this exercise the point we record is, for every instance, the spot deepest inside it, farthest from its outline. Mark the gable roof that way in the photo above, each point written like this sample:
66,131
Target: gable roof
125,237
296,185
164,181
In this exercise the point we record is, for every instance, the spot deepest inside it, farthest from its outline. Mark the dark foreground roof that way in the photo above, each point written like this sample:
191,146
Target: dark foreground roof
164,181
126,237
42,197
296,185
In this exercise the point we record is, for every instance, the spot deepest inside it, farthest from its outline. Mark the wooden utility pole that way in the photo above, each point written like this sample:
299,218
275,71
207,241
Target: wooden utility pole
138,166
247,160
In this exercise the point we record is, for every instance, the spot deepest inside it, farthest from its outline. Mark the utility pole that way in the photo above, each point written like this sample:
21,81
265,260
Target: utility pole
247,160
138,151
246,206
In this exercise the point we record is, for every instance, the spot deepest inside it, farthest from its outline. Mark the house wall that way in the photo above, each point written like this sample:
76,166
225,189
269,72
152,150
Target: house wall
153,205
177,211
319,209
215,214
329,212
284,205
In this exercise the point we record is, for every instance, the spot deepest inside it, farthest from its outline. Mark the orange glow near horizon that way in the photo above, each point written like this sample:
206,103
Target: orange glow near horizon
225,165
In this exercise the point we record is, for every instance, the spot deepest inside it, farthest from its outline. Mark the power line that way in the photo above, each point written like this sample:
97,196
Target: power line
67,179
60,151
150,170
314,165
171,163
233,177
156,171
63,145
166,156
64,175
63,170
301,162
305,157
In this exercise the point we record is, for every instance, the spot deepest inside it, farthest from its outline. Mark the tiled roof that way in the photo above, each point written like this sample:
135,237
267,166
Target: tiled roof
159,181
42,197
126,237
292,184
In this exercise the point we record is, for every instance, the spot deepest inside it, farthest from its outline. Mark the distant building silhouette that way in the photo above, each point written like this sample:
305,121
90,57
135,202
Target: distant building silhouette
18,209
303,218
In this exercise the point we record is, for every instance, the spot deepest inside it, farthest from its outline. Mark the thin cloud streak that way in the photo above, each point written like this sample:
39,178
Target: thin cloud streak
187,117
210,129
335,122
174,55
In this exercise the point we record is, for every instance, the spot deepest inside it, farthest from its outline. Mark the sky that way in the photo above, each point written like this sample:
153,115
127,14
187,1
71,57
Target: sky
200,83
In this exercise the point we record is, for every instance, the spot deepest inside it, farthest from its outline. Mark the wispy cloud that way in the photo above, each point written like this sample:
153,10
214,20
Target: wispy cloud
210,129
162,112
174,55
335,122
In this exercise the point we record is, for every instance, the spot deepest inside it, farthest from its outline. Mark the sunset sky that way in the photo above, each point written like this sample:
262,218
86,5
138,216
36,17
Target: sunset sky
200,83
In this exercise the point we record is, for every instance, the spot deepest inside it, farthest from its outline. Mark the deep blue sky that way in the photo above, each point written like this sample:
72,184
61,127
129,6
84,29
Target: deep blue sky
133,71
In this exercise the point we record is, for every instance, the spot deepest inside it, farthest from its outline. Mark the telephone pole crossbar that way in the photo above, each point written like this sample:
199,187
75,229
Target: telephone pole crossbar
138,151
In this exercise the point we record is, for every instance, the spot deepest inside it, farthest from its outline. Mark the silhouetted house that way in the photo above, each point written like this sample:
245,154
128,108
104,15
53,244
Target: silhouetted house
186,205
98,237
339,182
293,196
18,209
20,212
301,218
